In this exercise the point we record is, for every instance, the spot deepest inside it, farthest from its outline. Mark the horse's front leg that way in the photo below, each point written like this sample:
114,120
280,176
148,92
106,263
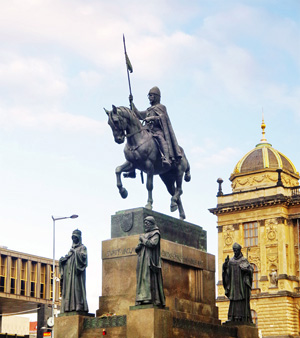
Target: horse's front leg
149,188
127,166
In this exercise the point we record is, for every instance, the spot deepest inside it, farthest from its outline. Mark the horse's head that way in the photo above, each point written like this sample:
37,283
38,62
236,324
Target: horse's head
117,123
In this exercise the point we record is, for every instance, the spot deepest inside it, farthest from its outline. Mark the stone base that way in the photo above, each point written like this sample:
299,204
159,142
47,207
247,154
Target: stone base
188,280
131,222
244,330
188,277
149,323
70,324
76,313
153,322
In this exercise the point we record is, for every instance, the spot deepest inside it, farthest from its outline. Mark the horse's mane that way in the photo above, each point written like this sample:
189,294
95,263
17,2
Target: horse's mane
131,113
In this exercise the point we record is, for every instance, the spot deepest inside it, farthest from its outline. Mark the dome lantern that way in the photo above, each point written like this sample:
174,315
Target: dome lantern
258,167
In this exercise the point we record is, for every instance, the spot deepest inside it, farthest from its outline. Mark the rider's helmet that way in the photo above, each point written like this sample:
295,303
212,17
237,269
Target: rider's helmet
155,91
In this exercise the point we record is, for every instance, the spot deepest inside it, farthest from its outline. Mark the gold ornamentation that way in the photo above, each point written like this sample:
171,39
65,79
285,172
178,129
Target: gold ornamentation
228,231
271,229
221,291
272,256
254,260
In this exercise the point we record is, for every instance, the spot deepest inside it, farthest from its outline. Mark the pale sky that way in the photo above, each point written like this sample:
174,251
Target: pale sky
217,63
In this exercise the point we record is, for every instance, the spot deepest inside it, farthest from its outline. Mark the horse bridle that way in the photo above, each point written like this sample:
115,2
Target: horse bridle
122,127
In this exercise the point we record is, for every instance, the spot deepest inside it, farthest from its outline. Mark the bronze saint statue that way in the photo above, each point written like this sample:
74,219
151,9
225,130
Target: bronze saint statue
72,276
152,148
149,289
237,281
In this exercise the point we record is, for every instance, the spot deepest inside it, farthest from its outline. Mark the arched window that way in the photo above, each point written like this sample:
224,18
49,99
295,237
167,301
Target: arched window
255,277
254,317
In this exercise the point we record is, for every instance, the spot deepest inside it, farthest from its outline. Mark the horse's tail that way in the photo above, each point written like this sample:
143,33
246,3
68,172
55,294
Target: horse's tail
187,173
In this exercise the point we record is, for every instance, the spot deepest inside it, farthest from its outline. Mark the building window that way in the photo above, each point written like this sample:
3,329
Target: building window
250,234
254,317
43,280
33,279
13,276
255,277
51,282
3,261
23,277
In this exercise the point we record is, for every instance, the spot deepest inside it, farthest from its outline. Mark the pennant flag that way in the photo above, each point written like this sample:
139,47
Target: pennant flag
128,63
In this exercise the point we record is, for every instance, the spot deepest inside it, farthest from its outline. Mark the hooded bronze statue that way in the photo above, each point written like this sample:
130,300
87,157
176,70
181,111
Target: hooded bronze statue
149,289
73,277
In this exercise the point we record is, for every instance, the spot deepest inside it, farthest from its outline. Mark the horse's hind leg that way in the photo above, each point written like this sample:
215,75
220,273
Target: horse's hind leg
127,166
180,209
169,181
178,192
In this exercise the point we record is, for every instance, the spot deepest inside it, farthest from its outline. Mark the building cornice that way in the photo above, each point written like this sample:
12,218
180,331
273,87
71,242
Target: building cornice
266,201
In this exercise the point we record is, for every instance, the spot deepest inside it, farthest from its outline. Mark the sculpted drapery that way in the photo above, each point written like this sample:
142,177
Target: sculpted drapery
149,288
73,276
237,277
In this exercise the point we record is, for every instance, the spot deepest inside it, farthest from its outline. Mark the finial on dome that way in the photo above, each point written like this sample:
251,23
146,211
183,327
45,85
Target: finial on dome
263,126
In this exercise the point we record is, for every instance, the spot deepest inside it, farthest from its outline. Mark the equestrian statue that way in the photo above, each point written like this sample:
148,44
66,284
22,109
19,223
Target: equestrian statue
151,146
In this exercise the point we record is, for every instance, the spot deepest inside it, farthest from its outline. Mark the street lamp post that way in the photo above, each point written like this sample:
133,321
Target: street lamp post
54,276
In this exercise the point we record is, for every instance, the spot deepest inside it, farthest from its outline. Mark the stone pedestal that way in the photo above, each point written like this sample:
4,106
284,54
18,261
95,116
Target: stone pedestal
70,324
149,322
131,222
244,330
188,280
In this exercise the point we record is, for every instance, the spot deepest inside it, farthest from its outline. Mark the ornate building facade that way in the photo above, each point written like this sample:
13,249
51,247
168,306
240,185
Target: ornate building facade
263,214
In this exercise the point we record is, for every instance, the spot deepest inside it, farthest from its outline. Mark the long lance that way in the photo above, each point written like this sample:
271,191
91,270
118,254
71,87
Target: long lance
129,69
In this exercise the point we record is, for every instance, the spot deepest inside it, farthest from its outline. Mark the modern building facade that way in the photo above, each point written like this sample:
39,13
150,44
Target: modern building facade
26,283
262,213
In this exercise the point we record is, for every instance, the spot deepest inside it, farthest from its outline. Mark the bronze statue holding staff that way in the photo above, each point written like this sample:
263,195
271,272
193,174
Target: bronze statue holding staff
152,148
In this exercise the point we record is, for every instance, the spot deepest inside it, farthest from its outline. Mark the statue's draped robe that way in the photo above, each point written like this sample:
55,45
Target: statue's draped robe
237,282
72,270
148,272
163,124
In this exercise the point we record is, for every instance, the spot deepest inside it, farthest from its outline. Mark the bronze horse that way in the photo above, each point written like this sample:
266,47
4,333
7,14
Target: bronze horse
142,152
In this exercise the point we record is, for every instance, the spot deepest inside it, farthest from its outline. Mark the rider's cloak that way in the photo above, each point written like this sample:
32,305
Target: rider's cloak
166,126
160,111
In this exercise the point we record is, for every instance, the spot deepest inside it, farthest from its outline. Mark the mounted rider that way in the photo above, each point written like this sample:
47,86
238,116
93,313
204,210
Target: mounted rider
158,122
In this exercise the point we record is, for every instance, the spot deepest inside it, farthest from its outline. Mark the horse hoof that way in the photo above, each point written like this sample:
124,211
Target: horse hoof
148,206
173,207
187,177
123,193
182,217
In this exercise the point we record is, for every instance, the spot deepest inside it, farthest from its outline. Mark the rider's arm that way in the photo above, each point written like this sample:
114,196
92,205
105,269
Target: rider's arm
152,118
140,114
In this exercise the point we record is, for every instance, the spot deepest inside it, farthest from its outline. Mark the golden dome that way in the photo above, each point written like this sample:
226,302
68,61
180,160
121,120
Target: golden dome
264,159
